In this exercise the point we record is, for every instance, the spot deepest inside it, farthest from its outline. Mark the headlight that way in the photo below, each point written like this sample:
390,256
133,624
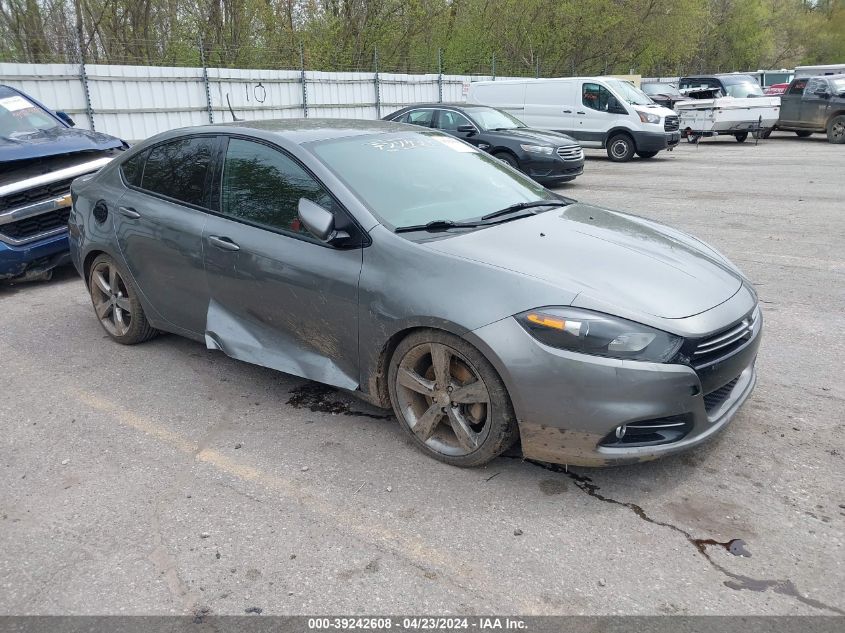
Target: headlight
538,149
599,334
648,117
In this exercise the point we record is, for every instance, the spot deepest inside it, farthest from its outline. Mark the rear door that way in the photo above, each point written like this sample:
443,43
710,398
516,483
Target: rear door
279,297
550,105
790,103
159,225
814,106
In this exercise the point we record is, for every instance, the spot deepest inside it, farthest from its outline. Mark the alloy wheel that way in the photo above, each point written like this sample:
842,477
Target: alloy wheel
443,398
111,299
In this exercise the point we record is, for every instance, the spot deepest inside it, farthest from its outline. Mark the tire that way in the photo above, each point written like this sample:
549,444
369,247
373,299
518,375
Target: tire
836,130
741,136
428,414
115,300
620,148
508,159
803,134
646,154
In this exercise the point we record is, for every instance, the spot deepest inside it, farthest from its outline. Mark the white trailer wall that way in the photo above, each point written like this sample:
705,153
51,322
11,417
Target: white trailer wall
134,102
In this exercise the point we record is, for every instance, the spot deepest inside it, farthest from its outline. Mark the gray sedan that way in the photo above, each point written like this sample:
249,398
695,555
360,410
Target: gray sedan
418,272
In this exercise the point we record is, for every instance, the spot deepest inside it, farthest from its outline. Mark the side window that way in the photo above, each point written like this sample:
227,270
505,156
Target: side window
178,169
814,85
263,186
595,97
133,169
420,117
449,121
797,88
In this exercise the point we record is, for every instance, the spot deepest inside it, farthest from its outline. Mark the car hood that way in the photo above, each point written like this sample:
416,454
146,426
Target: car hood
525,134
59,140
611,260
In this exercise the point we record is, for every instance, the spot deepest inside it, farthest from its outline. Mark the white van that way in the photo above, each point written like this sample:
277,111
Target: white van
596,111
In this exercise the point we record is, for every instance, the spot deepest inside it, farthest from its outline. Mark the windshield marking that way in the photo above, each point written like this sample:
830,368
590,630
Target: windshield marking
15,103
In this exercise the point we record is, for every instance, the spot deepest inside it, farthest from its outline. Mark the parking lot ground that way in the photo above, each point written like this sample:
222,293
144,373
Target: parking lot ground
166,478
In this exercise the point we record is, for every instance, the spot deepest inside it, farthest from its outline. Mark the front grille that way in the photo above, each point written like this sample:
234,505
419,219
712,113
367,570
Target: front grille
35,194
717,397
570,152
649,432
725,342
671,124
36,225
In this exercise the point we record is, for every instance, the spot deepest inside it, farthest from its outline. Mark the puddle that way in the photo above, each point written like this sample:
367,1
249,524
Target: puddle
736,546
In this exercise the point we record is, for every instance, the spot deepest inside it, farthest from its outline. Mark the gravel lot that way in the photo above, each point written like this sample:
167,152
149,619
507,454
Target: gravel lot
166,478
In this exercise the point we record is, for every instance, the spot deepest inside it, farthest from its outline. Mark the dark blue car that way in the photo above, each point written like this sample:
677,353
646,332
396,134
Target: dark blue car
40,154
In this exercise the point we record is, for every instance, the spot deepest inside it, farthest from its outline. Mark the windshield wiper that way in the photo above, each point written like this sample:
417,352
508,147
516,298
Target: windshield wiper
436,225
519,206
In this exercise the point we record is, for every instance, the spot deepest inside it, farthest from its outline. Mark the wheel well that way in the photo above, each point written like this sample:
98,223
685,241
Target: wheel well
86,265
833,116
505,150
378,378
617,131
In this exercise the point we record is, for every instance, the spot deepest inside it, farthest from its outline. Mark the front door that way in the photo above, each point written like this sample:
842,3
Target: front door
449,121
159,222
815,103
593,115
279,297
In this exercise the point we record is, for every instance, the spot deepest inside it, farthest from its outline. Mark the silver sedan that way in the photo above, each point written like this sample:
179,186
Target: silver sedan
408,267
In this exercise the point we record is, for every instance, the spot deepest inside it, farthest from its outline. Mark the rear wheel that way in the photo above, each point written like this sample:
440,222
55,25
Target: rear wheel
803,134
646,154
836,129
450,399
741,136
620,148
116,303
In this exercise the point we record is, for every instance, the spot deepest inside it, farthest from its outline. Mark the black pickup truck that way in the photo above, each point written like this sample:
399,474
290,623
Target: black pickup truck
814,104
41,152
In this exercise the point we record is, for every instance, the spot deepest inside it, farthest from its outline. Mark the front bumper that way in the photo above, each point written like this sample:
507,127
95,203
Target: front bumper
33,258
553,169
655,141
569,404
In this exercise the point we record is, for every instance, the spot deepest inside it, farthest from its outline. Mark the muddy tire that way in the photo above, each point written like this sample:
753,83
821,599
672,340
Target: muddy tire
620,148
450,400
836,129
116,304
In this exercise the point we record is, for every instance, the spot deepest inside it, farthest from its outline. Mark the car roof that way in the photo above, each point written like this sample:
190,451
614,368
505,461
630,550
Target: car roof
299,131
458,106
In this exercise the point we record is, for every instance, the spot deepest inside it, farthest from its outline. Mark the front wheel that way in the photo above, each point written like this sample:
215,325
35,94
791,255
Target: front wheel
646,154
620,148
741,136
449,399
116,303
507,159
836,129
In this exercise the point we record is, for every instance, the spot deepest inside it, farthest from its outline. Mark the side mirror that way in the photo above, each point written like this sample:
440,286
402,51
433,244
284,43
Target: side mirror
466,129
64,116
822,93
319,221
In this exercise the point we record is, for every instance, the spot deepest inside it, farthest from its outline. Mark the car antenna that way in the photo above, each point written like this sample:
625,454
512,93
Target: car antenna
229,103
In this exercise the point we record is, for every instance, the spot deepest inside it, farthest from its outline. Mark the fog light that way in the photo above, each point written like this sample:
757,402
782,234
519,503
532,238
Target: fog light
620,431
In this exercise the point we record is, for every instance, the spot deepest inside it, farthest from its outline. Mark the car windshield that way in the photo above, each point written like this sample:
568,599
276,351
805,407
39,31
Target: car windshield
629,93
741,86
19,116
492,119
660,89
412,178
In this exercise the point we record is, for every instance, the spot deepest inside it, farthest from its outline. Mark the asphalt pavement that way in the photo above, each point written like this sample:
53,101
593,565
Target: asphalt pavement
169,479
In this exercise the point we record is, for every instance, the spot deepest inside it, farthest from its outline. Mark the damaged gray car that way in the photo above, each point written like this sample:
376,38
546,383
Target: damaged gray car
408,267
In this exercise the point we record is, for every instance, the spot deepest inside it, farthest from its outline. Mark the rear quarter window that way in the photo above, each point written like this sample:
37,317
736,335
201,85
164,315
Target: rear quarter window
178,169
133,169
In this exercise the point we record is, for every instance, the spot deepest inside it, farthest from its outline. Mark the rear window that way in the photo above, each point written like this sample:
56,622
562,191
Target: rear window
178,169
133,169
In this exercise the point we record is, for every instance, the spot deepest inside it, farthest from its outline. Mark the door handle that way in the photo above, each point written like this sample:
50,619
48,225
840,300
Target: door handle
579,112
223,243
567,111
129,212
